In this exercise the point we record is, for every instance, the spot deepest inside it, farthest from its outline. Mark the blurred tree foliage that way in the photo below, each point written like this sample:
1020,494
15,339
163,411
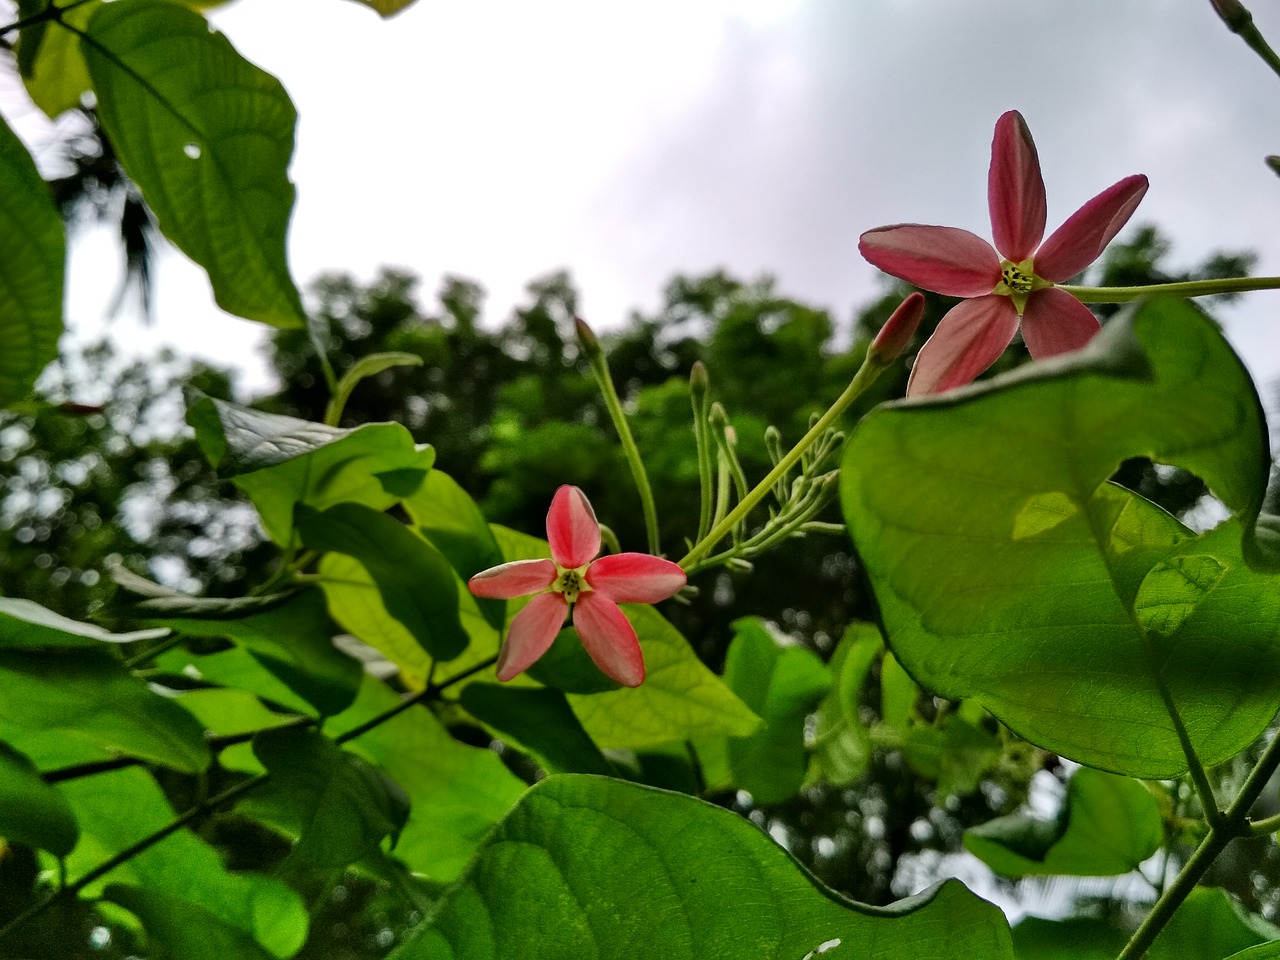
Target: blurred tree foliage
105,473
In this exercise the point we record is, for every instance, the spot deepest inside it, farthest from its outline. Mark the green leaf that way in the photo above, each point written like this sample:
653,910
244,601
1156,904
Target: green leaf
207,137
31,811
1210,925
1265,951
954,752
1076,938
539,721
841,743
1108,826
458,792
289,635
53,69
415,581
88,696
185,929
24,624
782,683
338,805
447,516
356,604
119,808
236,669
594,867
363,368
386,8
680,698
282,461
1007,569
32,257
232,713
898,693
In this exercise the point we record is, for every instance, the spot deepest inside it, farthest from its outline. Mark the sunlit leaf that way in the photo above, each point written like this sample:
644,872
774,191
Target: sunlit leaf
1071,608
89,697
31,811
417,585
1108,826
24,624
207,137
52,66
291,636
183,928
283,461
458,792
32,255
666,875
362,369
446,515
119,808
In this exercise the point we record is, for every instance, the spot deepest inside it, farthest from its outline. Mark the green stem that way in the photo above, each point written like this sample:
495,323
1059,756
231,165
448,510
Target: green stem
1232,824
51,12
1186,288
1240,22
1177,892
865,376
600,369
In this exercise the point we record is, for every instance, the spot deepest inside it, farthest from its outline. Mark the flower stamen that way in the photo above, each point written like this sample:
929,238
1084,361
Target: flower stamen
570,583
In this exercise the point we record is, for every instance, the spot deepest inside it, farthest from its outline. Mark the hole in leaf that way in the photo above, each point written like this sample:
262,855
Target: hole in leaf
192,150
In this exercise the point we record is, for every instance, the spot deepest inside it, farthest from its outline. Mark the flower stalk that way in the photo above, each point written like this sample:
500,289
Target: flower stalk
590,346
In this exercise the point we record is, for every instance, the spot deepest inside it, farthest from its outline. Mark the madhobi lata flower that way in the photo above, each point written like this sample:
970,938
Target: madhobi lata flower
575,581
1010,282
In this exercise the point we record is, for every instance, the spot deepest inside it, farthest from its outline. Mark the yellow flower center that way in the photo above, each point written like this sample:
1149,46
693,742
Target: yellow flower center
1018,281
571,582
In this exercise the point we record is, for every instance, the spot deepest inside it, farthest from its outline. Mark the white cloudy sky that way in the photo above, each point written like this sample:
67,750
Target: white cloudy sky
500,139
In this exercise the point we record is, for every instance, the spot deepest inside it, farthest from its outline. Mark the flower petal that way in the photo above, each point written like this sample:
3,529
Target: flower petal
942,259
532,632
572,528
1081,240
609,638
1055,322
1015,189
969,339
515,579
635,578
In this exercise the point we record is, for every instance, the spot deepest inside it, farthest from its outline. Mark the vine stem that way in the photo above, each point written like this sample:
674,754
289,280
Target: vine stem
69,773
866,375
1234,823
1186,288
49,13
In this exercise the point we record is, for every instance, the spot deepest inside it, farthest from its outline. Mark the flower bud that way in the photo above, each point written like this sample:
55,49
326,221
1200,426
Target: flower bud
1233,13
587,340
898,330
699,382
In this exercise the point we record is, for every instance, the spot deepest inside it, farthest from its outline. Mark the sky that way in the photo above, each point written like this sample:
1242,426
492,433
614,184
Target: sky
502,139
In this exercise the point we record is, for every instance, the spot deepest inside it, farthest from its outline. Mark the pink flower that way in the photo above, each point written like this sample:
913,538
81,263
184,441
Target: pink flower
1010,282
573,580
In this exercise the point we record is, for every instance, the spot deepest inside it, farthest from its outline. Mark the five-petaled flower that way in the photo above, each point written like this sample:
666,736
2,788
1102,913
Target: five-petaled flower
575,580
1013,281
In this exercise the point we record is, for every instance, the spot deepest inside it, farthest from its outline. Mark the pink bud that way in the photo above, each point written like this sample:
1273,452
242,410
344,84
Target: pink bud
1233,13
898,330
